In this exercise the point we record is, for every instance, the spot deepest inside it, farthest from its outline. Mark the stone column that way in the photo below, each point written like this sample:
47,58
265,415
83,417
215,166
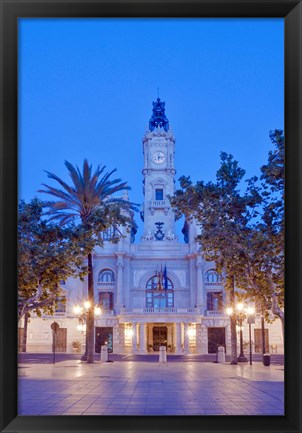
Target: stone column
178,348
142,338
186,338
204,339
119,285
199,286
134,337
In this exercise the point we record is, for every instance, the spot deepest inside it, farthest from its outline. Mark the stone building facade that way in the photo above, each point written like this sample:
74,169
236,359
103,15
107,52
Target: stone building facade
155,291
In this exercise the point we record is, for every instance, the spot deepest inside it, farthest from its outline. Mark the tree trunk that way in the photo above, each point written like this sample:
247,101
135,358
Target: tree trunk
90,313
233,323
24,336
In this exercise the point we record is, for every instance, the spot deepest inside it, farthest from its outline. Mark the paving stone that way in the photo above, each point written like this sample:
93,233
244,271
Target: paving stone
189,388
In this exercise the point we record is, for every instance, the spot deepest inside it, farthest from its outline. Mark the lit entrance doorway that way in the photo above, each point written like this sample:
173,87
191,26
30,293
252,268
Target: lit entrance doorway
160,334
216,337
103,336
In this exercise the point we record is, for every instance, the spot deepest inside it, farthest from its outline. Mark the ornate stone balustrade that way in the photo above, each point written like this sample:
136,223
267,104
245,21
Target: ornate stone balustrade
107,312
215,313
158,310
106,284
158,203
218,283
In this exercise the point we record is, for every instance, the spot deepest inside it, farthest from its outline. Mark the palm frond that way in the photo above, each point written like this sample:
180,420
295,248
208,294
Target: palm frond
70,198
53,176
87,193
76,176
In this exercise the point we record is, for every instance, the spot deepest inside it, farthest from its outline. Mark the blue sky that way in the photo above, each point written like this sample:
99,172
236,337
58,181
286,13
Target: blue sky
86,88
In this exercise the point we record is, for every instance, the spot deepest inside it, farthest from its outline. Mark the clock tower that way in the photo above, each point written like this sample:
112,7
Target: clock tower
158,172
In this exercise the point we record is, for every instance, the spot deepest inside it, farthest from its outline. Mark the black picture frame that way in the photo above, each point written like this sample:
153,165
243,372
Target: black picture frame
292,13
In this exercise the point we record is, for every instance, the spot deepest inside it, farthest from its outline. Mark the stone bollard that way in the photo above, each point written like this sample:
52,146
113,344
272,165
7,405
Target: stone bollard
221,355
104,354
162,354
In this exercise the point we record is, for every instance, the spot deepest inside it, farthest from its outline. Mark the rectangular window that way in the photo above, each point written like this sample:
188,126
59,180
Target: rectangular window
159,194
106,300
149,300
61,305
214,301
108,234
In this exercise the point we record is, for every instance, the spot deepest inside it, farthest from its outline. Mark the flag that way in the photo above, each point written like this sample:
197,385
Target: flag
165,278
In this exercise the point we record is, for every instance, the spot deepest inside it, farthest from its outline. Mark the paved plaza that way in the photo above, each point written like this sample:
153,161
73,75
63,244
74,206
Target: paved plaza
71,387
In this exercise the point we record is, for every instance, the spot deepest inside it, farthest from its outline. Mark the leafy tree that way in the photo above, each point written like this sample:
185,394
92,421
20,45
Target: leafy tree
224,214
242,232
90,202
264,267
47,254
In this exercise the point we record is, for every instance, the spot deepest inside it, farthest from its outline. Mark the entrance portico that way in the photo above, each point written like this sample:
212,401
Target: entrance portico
178,337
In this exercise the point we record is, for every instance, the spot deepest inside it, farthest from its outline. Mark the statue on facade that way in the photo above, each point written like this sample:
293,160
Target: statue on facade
148,236
170,236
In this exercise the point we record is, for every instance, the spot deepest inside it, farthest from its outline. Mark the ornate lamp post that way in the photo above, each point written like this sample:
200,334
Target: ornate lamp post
240,314
81,314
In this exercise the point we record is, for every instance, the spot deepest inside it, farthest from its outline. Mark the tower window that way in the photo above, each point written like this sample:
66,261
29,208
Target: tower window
159,194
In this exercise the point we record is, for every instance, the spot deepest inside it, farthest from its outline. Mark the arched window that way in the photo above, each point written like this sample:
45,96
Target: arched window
212,277
108,234
106,276
159,297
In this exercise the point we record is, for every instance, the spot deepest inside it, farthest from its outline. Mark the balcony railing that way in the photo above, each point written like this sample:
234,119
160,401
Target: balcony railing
158,310
215,312
218,283
107,312
106,283
158,203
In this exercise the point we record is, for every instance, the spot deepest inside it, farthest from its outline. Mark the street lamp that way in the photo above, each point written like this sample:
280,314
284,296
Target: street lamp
81,314
240,314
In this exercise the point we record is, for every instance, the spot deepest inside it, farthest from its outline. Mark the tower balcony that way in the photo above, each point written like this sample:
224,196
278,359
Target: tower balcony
159,204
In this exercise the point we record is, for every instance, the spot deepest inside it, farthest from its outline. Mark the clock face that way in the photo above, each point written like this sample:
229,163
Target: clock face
158,157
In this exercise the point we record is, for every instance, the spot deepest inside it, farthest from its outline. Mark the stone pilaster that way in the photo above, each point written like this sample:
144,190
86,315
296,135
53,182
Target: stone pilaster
142,338
186,338
178,348
228,342
119,285
192,283
134,337
199,286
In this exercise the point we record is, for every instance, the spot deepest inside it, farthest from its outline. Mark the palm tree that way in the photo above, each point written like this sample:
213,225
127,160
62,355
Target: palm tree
90,200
